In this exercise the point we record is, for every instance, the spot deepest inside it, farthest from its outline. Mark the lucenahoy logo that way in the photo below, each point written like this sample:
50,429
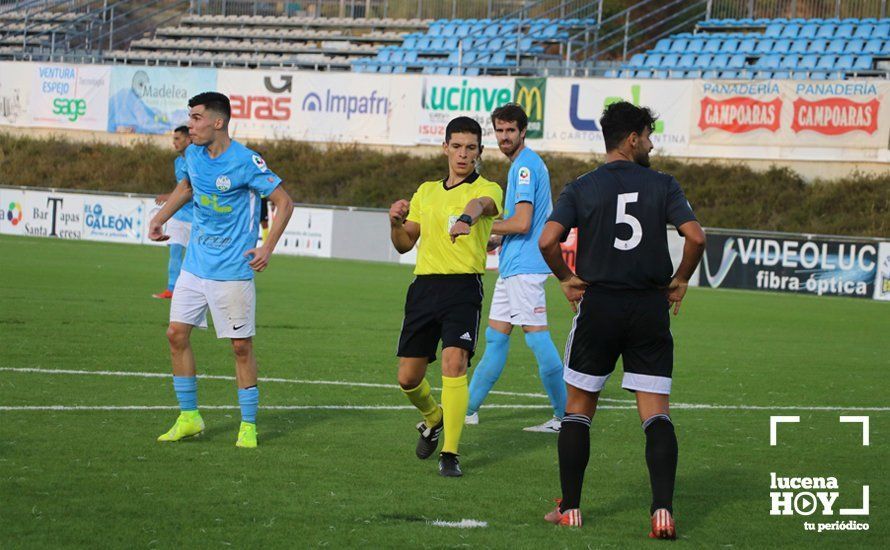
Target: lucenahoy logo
11,216
465,97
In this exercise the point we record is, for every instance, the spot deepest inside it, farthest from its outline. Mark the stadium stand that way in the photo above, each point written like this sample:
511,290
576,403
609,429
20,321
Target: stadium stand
779,48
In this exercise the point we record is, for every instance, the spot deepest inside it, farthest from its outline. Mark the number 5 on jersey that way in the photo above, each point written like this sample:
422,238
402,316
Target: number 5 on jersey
621,216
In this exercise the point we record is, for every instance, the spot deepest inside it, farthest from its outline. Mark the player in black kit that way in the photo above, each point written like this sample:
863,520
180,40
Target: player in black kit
622,294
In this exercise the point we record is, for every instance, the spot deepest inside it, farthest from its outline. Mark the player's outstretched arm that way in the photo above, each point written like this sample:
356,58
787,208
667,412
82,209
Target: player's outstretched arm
517,224
402,233
693,249
572,286
180,195
284,207
475,209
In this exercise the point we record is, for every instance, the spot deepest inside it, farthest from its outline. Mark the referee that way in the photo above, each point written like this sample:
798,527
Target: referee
622,295
454,216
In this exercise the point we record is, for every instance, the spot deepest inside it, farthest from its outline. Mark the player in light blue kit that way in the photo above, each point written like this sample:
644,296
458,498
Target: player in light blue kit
224,182
519,293
180,225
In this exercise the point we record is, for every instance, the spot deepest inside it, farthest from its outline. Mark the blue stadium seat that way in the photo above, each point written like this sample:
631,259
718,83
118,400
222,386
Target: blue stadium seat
463,30
763,75
384,54
768,62
747,45
444,69
669,61
643,74
721,60
873,46
410,41
863,63
492,30
396,57
429,69
819,75
826,62
817,46
710,74
611,73
826,31
808,61
626,73
789,62
662,46
854,46
686,61
782,75
399,69
660,74
764,46
797,75
730,45
729,75
637,60
774,30
712,46
845,62
694,73
695,45
423,43
679,45
653,60
790,31
808,31
844,31
450,44
836,46
881,30
385,69
499,58
799,46
704,61
737,61
782,46
437,44
410,57
863,31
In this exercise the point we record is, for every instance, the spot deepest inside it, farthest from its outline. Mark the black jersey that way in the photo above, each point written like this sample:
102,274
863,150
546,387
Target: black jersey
621,210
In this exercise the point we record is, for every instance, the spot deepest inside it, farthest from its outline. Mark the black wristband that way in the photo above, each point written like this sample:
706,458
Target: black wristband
466,219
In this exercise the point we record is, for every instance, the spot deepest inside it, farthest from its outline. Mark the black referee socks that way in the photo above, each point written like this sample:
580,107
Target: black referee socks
574,453
661,457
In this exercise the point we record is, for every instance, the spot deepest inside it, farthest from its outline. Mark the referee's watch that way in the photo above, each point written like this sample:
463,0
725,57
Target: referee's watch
466,219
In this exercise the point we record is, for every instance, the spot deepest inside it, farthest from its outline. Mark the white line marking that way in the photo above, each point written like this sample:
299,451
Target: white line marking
861,420
462,524
261,379
622,403
774,421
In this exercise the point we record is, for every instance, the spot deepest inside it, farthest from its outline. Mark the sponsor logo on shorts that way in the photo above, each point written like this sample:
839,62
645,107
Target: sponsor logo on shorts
223,183
540,309
466,336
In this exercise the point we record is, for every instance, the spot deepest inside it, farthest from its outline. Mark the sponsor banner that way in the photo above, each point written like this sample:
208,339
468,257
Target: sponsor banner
350,107
114,219
820,266
308,233
41,214
882,278
531,94
69,96
154,100
792,114
446,97
15,93
574,107
262,102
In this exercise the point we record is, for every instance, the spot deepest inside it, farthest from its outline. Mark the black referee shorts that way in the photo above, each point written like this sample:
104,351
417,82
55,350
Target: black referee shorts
441,307
633,324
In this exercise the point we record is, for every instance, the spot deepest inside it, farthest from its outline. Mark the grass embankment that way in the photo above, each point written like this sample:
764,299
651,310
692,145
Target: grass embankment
723,195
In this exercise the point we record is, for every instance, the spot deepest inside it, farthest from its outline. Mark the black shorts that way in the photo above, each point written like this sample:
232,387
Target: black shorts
633,324
441,307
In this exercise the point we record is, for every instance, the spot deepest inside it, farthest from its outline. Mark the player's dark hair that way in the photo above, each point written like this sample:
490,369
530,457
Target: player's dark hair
511,112
213,101
184,130
463,125
621,119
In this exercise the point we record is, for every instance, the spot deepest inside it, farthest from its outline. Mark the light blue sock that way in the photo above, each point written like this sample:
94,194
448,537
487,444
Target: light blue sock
489,368
549,368
186,388
249,399
174,265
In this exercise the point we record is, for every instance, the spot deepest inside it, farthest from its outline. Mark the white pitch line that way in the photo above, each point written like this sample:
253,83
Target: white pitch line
261,379
462,524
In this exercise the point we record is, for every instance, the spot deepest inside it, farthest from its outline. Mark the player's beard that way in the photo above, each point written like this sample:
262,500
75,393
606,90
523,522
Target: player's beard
508,151
641,157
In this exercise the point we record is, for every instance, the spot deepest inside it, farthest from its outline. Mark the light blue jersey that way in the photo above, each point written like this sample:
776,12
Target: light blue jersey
226,196
184,214
527,181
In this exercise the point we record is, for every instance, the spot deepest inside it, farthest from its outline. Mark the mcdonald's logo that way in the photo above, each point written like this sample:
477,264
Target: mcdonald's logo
530,94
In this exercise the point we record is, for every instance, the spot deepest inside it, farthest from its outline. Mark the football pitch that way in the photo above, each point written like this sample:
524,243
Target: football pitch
85,390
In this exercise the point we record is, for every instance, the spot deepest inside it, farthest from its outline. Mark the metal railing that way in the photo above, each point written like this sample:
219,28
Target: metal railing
406,9
823,9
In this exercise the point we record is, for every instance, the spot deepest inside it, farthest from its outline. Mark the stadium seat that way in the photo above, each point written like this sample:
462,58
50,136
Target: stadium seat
808,31
747,45
789,62
662,46
694,73
711,74
637,60
797,75
873,46
695,45
799,46
789,31
720,61
730,45
653,60
661,74
808,61
782,46
863,63
764,46
763,75
729,75
611,73
644,73
627,73
781,75
826,62
854,46
817,46
836,46
686,61
704,61
826,31
737,61
712,46
679,45
769,62
845,62
882,30
844,31
774,30
669,61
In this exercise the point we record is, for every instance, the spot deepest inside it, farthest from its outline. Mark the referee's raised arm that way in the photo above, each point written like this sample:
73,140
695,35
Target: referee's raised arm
403,234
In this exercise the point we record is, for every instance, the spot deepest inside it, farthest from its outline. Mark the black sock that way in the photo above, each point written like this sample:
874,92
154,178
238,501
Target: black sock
574,452
661,457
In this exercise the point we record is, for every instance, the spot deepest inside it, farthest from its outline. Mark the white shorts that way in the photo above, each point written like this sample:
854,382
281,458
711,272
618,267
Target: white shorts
178,231
520,300
231,303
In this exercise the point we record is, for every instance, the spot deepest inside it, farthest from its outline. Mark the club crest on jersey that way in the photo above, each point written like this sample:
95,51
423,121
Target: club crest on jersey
260,163
223,183
525,176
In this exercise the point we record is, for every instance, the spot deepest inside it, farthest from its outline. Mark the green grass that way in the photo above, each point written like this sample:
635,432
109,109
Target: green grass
348,478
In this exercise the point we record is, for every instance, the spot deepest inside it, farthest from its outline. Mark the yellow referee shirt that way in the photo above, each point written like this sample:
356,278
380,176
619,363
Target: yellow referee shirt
436,209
